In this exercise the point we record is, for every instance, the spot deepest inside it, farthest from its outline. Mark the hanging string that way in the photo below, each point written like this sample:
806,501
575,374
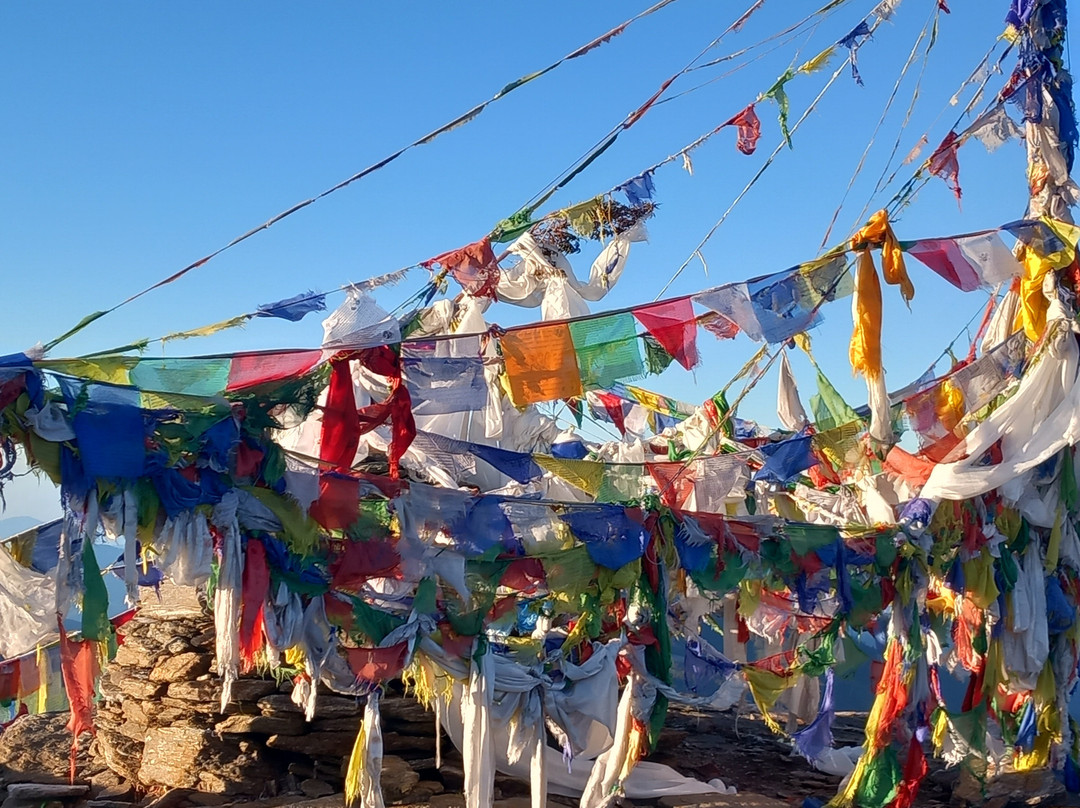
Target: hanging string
460,120
753,181
609,139
931,20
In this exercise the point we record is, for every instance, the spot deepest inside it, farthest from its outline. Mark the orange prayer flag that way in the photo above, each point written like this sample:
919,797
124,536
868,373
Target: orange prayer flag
541,364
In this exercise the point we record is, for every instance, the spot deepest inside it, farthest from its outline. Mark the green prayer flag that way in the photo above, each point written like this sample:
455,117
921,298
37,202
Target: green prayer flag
607,350
95,606
779,95
830,409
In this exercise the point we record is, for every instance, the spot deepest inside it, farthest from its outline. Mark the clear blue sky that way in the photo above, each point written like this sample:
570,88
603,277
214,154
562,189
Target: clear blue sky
139,137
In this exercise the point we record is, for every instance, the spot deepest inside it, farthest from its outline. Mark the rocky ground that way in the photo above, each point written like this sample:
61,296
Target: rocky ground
162,743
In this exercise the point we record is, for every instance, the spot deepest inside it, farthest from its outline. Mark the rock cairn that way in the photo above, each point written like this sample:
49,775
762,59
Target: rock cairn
159,725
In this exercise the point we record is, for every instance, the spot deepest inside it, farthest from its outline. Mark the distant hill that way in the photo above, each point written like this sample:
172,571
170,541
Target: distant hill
16,524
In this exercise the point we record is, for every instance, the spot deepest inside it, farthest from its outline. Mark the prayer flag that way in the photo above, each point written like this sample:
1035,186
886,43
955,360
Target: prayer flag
674,326
541,364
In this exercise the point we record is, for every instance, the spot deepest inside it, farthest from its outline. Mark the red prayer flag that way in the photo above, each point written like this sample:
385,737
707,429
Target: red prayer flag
79,667
473,266
749,130
9,680
254,587
675,481
674,326
250,369
339,501
340,423
362,560
945,164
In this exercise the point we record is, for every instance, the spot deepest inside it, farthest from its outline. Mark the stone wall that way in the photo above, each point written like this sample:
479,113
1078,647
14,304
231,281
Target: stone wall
159,723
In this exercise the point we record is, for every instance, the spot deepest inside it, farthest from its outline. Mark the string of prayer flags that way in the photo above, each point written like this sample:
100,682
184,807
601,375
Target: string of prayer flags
776,307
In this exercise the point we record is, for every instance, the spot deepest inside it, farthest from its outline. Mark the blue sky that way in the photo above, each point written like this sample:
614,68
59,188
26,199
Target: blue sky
139,137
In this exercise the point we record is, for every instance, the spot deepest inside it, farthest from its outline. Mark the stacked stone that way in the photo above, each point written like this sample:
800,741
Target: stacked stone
159,725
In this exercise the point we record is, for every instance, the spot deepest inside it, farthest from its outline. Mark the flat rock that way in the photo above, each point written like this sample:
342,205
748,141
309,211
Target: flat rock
316,788
171,757
315,744
132,711
325,707
140,689
133,655
202,690
398,778
121,754
206,710
347,724
393,742
42,791
262,725
181,667
447,801
37,748
400,708
252,689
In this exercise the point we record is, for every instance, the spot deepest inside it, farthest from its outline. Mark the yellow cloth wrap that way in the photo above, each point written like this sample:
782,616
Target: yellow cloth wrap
1033,303
949,406
355,769
879,233
865,350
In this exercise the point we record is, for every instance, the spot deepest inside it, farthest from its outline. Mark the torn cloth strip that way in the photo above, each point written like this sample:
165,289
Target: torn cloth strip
852,42
254,591
541,364
674,326
79,666
607,349
473,266
944,163
611,535
638,189
749,129
293,308
343,424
